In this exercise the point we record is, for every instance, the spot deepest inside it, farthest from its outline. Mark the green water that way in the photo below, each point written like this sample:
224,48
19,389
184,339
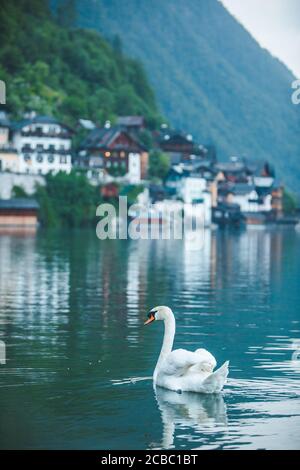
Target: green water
71,315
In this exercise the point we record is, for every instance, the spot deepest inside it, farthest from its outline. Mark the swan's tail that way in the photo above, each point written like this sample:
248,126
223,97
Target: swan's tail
216,381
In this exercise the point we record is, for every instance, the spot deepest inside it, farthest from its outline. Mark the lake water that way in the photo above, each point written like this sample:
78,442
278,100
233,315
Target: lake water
71,315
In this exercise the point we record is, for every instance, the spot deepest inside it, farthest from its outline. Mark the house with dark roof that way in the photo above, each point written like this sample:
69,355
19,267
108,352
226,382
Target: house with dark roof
43,144
18,213
235,171
115,150
179,146
245,195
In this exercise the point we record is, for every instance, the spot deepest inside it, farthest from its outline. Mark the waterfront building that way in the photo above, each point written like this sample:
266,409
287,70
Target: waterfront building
18,213
115,150
43,144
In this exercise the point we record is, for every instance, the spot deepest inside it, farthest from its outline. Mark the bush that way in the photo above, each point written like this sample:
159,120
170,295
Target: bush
159,164
67,200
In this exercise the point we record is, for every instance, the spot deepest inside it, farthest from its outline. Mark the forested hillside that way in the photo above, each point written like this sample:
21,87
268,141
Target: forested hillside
209,74
53,68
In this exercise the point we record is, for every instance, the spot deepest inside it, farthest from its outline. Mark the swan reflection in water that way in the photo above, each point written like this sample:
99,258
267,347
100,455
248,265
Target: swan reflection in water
188,410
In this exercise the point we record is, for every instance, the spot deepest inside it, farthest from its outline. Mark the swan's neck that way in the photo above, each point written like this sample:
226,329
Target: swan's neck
167,342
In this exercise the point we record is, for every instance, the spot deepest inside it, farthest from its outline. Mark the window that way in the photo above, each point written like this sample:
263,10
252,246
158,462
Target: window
39,158
50,159
63,160
27,157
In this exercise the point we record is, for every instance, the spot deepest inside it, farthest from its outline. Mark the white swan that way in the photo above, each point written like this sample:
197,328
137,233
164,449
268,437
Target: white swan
183,370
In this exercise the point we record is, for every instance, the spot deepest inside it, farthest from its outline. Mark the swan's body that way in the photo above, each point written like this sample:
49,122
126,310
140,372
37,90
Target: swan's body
182,370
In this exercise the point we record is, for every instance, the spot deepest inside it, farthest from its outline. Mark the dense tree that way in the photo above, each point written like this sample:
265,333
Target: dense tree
52,68
289,202
68,200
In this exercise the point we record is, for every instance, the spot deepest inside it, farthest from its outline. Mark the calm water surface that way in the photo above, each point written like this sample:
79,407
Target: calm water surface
71,314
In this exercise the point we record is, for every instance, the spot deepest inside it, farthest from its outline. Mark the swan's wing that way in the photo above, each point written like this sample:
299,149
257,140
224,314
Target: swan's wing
208,362
179,361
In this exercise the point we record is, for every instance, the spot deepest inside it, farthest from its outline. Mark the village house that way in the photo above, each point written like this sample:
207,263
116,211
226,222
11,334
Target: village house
43,144
251,187
235,171
203,171
180,147
21,213
116,151
9,158
189,186
246,196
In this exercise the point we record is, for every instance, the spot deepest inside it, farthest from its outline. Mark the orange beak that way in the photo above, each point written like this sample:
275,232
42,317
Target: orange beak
150,320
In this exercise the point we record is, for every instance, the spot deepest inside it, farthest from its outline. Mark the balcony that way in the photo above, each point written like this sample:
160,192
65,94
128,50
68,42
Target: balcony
30,149
58,135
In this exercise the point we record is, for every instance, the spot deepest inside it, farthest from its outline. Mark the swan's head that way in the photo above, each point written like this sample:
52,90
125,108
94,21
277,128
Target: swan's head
159,313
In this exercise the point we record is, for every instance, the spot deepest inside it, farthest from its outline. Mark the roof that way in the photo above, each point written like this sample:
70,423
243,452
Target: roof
194,169
178,170
87,124
170,135
241,188
19,203
231,167
103,137
130,121
39,120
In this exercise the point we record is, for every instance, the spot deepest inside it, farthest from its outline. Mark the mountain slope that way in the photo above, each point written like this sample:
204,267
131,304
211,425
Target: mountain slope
65,72
209,74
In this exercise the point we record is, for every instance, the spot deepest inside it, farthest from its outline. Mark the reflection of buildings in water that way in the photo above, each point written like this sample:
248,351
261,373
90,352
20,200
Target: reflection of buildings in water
14,265
196,259
189,410
31,284
113,279
277,254
137,266
249,256
254,254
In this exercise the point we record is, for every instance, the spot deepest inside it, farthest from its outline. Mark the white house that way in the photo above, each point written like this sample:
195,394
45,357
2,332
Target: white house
247,197
43,144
